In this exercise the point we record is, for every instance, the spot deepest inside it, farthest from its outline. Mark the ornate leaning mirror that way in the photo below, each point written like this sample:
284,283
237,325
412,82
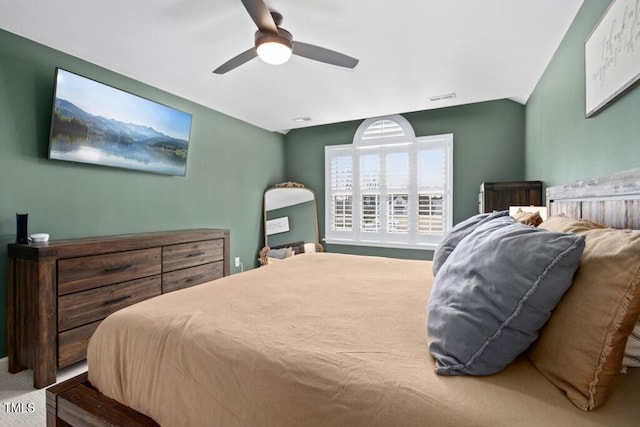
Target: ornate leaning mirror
290,222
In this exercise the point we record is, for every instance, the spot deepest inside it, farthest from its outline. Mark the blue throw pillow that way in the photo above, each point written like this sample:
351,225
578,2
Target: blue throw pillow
459,232
496,290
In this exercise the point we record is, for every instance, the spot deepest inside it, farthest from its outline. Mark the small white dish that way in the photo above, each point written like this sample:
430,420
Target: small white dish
39,238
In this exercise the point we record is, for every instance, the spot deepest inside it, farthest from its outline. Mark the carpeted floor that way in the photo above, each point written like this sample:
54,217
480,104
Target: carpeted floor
20,403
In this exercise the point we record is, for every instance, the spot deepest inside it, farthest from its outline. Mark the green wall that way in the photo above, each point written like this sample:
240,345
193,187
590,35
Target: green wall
230,164
488,145
561,144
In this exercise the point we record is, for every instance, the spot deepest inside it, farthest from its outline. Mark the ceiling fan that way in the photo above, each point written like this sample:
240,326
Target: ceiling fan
275,45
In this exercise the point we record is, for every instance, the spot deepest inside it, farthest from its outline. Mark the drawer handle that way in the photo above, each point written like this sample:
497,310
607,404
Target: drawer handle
116,300
196,254
192,278
118,268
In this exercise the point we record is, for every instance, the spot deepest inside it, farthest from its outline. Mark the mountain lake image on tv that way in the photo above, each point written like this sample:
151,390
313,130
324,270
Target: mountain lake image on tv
95,123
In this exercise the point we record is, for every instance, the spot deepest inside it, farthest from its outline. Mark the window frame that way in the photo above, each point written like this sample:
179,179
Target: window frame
402,140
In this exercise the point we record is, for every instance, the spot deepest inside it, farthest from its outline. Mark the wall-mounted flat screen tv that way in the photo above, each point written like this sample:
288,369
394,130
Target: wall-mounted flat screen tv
95,123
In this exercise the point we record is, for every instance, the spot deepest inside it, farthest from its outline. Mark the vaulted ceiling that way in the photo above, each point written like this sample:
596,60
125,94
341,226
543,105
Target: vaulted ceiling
411,52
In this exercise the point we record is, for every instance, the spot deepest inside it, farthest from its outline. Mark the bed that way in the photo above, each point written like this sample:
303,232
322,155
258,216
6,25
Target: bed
326,339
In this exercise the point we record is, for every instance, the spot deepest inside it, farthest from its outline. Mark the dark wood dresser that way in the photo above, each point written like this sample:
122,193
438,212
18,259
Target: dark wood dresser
498,196
58,292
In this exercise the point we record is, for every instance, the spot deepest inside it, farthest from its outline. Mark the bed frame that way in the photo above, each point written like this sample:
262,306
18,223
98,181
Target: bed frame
613,200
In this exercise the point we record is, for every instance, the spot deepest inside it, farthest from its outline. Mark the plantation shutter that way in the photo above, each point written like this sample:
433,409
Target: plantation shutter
433,183
339,194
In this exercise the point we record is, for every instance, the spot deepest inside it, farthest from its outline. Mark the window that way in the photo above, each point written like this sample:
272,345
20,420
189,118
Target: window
389,188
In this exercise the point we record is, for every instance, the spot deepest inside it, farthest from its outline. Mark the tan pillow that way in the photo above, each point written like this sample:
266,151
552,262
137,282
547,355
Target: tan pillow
528,218
581,347
564,224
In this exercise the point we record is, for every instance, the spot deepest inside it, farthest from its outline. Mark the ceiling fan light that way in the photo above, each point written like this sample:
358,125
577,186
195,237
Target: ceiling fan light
274,52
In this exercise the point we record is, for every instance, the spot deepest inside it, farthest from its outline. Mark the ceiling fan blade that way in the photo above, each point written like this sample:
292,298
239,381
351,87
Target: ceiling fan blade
261,15
236,61
321,54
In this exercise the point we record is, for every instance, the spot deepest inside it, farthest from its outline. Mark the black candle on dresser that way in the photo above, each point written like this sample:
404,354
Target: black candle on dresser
21,228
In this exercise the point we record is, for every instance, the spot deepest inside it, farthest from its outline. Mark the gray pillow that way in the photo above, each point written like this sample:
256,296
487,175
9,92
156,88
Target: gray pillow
496,290
459,232
279,253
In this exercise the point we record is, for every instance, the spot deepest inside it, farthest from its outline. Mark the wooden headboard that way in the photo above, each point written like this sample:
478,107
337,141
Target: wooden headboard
613,200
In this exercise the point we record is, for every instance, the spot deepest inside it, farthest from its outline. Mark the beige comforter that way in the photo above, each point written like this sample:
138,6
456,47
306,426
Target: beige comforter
320,339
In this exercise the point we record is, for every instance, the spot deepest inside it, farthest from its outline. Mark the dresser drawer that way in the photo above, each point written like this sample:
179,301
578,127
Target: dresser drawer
192,276
78,274
95,304
72,344
186,255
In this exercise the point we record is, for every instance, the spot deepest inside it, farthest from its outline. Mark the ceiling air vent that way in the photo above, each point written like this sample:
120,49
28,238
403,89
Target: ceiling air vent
442,97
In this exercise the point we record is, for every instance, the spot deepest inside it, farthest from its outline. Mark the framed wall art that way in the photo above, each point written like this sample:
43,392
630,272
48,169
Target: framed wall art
277,225
612,55
92,122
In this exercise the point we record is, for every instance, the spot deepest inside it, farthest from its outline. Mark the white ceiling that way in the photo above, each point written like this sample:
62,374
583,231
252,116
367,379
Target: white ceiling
409,51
